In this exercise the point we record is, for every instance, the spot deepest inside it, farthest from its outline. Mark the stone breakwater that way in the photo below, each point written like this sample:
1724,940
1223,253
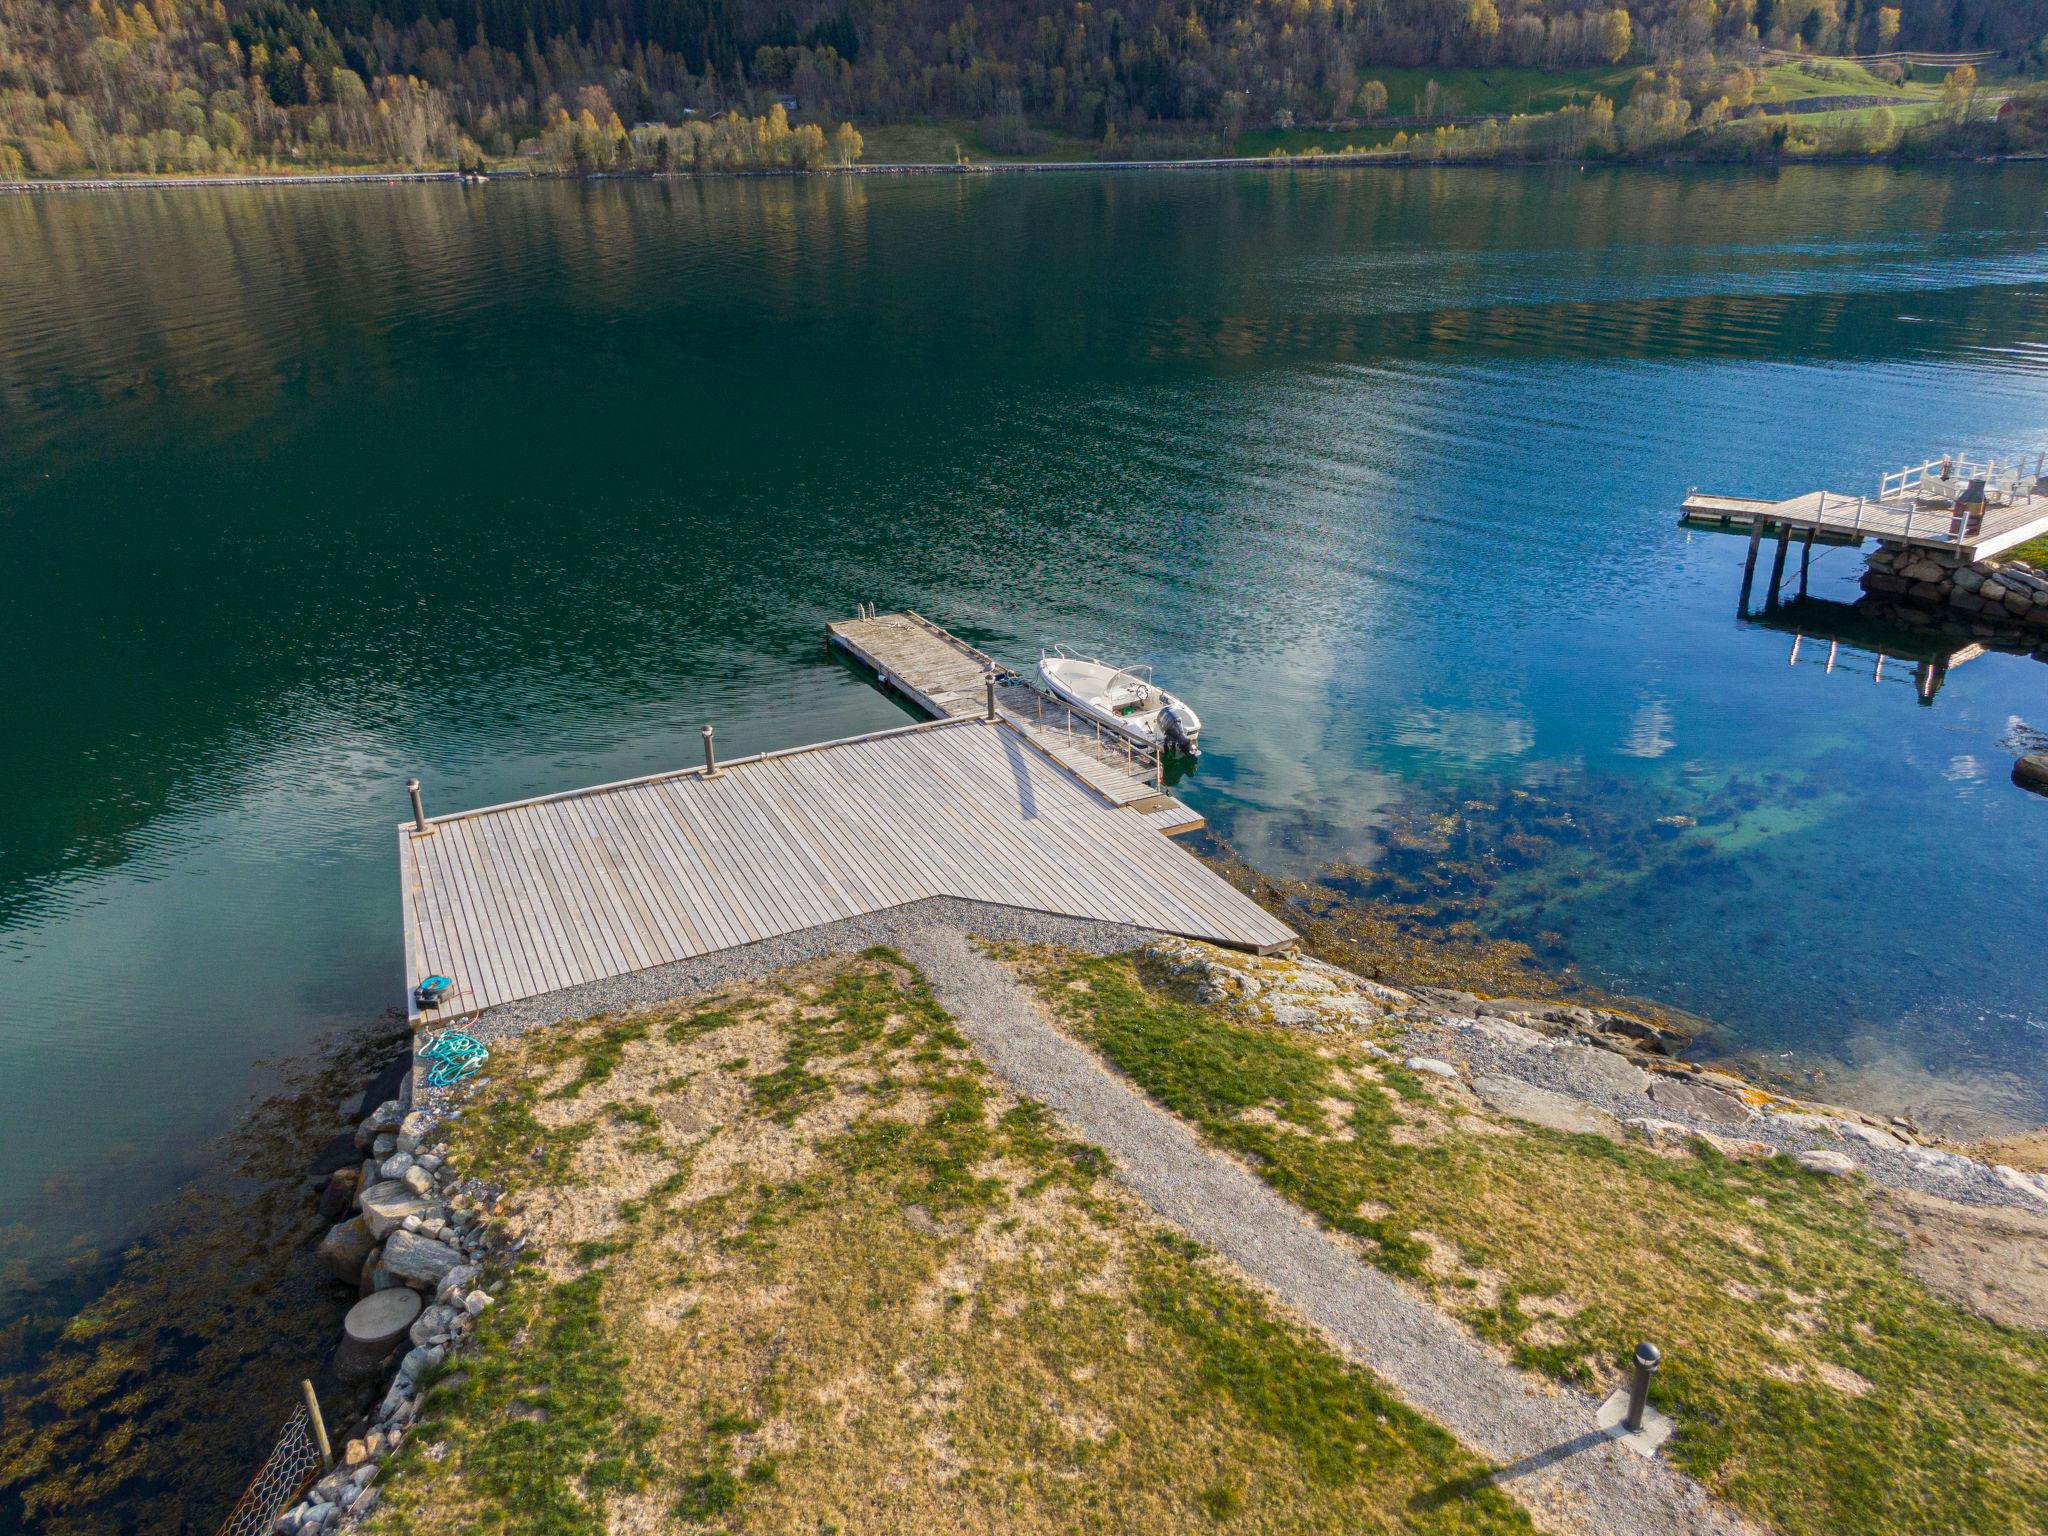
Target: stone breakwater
1998,600
412,1240
1590,1072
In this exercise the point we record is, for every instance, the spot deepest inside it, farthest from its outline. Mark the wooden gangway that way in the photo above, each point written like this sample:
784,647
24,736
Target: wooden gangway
948,678
544,895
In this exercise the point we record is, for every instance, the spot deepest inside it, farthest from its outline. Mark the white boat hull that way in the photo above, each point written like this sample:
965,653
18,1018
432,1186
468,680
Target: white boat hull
1122,701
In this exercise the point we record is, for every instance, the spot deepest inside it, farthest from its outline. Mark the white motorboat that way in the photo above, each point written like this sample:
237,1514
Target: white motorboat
1123,698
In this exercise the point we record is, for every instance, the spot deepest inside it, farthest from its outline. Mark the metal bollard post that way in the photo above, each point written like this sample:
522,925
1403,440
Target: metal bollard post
1639,1386
710,756
419,815
990,679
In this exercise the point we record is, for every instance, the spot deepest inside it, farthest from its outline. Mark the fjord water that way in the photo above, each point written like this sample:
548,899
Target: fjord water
303,491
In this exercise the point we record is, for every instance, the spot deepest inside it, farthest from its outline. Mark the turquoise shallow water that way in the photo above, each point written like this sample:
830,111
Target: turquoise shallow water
513,488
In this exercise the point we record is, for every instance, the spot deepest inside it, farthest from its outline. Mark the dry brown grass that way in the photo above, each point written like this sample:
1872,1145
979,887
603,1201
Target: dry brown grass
799,1266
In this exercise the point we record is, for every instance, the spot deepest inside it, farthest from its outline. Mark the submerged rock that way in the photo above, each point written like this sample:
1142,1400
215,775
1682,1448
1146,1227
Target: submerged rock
339,1193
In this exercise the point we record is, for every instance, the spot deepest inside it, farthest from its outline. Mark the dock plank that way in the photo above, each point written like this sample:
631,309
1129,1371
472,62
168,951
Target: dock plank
519,900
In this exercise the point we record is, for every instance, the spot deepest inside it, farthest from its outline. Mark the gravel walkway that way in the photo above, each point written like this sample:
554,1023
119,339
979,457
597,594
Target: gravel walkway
1552,1456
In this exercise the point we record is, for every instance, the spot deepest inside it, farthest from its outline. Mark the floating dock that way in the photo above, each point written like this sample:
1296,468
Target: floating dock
948,678
544,895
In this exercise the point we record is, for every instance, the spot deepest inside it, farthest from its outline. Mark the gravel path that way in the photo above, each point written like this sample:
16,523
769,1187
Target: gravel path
1552,1456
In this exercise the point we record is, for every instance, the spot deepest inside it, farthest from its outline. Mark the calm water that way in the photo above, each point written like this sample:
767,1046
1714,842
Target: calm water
303,492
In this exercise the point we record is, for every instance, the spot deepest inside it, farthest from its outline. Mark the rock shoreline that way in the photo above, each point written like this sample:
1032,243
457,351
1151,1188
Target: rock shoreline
413,1239
2004,602
1586,1071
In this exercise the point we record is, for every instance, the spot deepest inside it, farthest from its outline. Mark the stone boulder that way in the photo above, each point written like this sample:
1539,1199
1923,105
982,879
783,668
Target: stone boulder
2031,772
419,1261
1593,1068
1838,1165
434,1325
1522,1101
345,1247
338,1195
1669,1136
1432,1066
384,1117
1696,1101
387,1204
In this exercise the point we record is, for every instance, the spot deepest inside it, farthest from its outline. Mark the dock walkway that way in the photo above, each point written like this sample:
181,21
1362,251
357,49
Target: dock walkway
947,678
544,895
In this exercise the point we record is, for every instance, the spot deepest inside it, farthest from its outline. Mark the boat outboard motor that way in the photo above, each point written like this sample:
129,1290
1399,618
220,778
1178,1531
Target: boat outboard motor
1175,726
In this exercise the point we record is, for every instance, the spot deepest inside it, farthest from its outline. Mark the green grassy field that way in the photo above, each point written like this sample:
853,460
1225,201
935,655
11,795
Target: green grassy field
2034,552
1787,82
935,143
1812,1382
1499,89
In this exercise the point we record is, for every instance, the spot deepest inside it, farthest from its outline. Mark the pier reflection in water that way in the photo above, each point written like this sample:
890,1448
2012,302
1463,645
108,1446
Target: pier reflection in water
1847,638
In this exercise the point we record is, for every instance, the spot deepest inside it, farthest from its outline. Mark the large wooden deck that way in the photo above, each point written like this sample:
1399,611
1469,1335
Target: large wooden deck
519,900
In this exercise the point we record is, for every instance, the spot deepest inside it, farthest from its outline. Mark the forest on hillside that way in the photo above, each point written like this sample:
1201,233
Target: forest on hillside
198,85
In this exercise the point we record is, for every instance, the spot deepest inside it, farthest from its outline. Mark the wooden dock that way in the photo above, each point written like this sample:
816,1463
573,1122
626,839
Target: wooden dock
947,678
1740,514
517,901
1896,517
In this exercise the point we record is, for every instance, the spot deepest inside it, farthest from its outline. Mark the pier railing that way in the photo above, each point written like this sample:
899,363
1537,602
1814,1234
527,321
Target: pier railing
2009,476
1058,720
1861,515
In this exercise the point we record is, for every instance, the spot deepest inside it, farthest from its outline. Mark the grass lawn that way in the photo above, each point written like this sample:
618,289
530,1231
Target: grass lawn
933,143
1501,89
1787,82
1813,1382
796,1264
2034,552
